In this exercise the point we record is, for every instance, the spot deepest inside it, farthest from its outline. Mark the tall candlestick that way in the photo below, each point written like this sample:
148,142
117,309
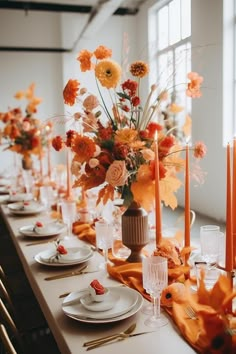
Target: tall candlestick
68,174
157,195
187,201
234,203
229,234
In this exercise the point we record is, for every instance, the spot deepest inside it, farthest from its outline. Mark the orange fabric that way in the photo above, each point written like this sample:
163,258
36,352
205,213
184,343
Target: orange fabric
195,331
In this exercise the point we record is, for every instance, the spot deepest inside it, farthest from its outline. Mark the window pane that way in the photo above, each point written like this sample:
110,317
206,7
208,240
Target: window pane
185,18
174,21
163,28
166,70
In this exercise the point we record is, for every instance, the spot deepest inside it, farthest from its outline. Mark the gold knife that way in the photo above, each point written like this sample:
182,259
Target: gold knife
39,242
67,274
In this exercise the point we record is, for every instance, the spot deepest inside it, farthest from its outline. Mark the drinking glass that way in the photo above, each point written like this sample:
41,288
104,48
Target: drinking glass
69,213
46,197
104,237
28,180
147,308
156,279
209,240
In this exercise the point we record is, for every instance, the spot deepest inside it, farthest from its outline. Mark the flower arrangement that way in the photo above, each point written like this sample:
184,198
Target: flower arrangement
116,149
22,132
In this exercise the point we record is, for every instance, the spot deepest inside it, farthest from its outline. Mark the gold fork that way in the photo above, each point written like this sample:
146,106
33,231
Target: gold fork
190,312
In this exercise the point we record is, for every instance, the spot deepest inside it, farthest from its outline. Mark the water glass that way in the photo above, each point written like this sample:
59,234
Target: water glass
210,240
69,214
28,180
46,197
104,237
209,273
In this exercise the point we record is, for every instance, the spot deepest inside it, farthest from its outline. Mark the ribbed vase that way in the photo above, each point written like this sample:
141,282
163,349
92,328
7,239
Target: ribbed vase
135,236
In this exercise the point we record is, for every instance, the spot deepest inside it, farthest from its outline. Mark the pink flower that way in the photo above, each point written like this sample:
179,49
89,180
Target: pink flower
199,150
90,103
117,174
193,89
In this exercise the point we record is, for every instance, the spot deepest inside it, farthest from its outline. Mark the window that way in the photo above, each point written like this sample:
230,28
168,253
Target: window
170,53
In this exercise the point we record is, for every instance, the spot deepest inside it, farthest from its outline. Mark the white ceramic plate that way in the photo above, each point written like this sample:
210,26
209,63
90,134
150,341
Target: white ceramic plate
52,229
17,208
129,303
83,255
108,303
4,190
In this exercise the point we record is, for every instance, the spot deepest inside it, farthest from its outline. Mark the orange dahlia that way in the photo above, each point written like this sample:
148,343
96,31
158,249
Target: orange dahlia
70,92
139,69
84,148
85,60
102,52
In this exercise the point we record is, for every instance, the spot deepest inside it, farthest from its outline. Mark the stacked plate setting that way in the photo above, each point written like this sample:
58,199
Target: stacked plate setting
121,303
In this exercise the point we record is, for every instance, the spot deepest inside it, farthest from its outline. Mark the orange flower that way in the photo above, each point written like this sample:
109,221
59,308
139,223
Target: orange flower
126,136
200,150
102,52
193,88
57,143
85,60
84,147
70,92
139,69
176,292
108,73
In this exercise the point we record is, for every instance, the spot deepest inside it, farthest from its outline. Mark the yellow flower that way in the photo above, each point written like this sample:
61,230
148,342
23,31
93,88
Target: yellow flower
126,136
139,68
108,72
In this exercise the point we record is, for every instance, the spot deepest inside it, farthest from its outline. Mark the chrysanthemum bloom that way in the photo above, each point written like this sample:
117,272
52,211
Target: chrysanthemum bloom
57,143
70,92
130,86
85,60
70,134
102,52
126,136
91,102
84,148
200,150
139,69
105,133
120,151
135,101
165,145
153,128
193,88
108,73
117,174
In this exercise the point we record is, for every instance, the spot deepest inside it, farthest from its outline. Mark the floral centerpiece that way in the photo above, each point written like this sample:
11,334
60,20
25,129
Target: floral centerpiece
116,149
22,132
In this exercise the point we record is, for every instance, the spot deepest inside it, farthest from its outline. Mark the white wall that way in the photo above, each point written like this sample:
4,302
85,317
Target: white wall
50,72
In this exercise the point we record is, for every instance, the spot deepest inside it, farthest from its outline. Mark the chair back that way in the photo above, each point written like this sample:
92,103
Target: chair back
6,341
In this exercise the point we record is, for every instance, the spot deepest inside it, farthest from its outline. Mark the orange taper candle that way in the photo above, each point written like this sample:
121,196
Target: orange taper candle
234,203
187,201
229,234
68,174
157,195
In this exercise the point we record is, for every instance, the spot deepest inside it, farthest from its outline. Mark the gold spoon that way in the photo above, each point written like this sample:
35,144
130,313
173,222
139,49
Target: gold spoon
96,342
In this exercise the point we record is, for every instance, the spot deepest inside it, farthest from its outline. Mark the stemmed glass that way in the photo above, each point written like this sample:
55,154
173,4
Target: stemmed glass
147,308
104,236
69,214
28,181
156,279
46,197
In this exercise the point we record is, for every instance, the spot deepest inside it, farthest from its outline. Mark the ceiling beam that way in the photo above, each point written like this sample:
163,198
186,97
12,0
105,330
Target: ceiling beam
51,7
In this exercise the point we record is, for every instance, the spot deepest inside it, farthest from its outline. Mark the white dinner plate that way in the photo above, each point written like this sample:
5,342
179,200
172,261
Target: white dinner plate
78,255
52,229
4,190
108,303
17,208
128,304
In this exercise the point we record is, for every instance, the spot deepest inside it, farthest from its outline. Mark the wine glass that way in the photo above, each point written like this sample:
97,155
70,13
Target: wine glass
147,308
69,213
28,181
104,237
156,279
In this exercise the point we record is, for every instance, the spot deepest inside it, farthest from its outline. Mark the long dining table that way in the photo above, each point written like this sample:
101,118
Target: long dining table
69,333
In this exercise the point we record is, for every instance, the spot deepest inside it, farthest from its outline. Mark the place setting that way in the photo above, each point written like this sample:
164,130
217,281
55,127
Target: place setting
100,304
57,255
25,208
41,230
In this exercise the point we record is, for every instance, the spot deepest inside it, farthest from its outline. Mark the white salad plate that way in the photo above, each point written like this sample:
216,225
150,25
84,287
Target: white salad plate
20,197
51,229
108,303
74,256
129,302
19,209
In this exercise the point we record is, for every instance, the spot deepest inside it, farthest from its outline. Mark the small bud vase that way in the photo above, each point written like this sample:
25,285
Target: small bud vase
134,223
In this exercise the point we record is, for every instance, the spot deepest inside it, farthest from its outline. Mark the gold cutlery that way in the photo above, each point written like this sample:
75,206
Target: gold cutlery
79,271
106,339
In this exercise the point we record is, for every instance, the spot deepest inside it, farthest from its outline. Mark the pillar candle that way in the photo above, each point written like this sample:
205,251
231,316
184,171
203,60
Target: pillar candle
68,174
234,203
229,235
187,201
49,159
157,195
